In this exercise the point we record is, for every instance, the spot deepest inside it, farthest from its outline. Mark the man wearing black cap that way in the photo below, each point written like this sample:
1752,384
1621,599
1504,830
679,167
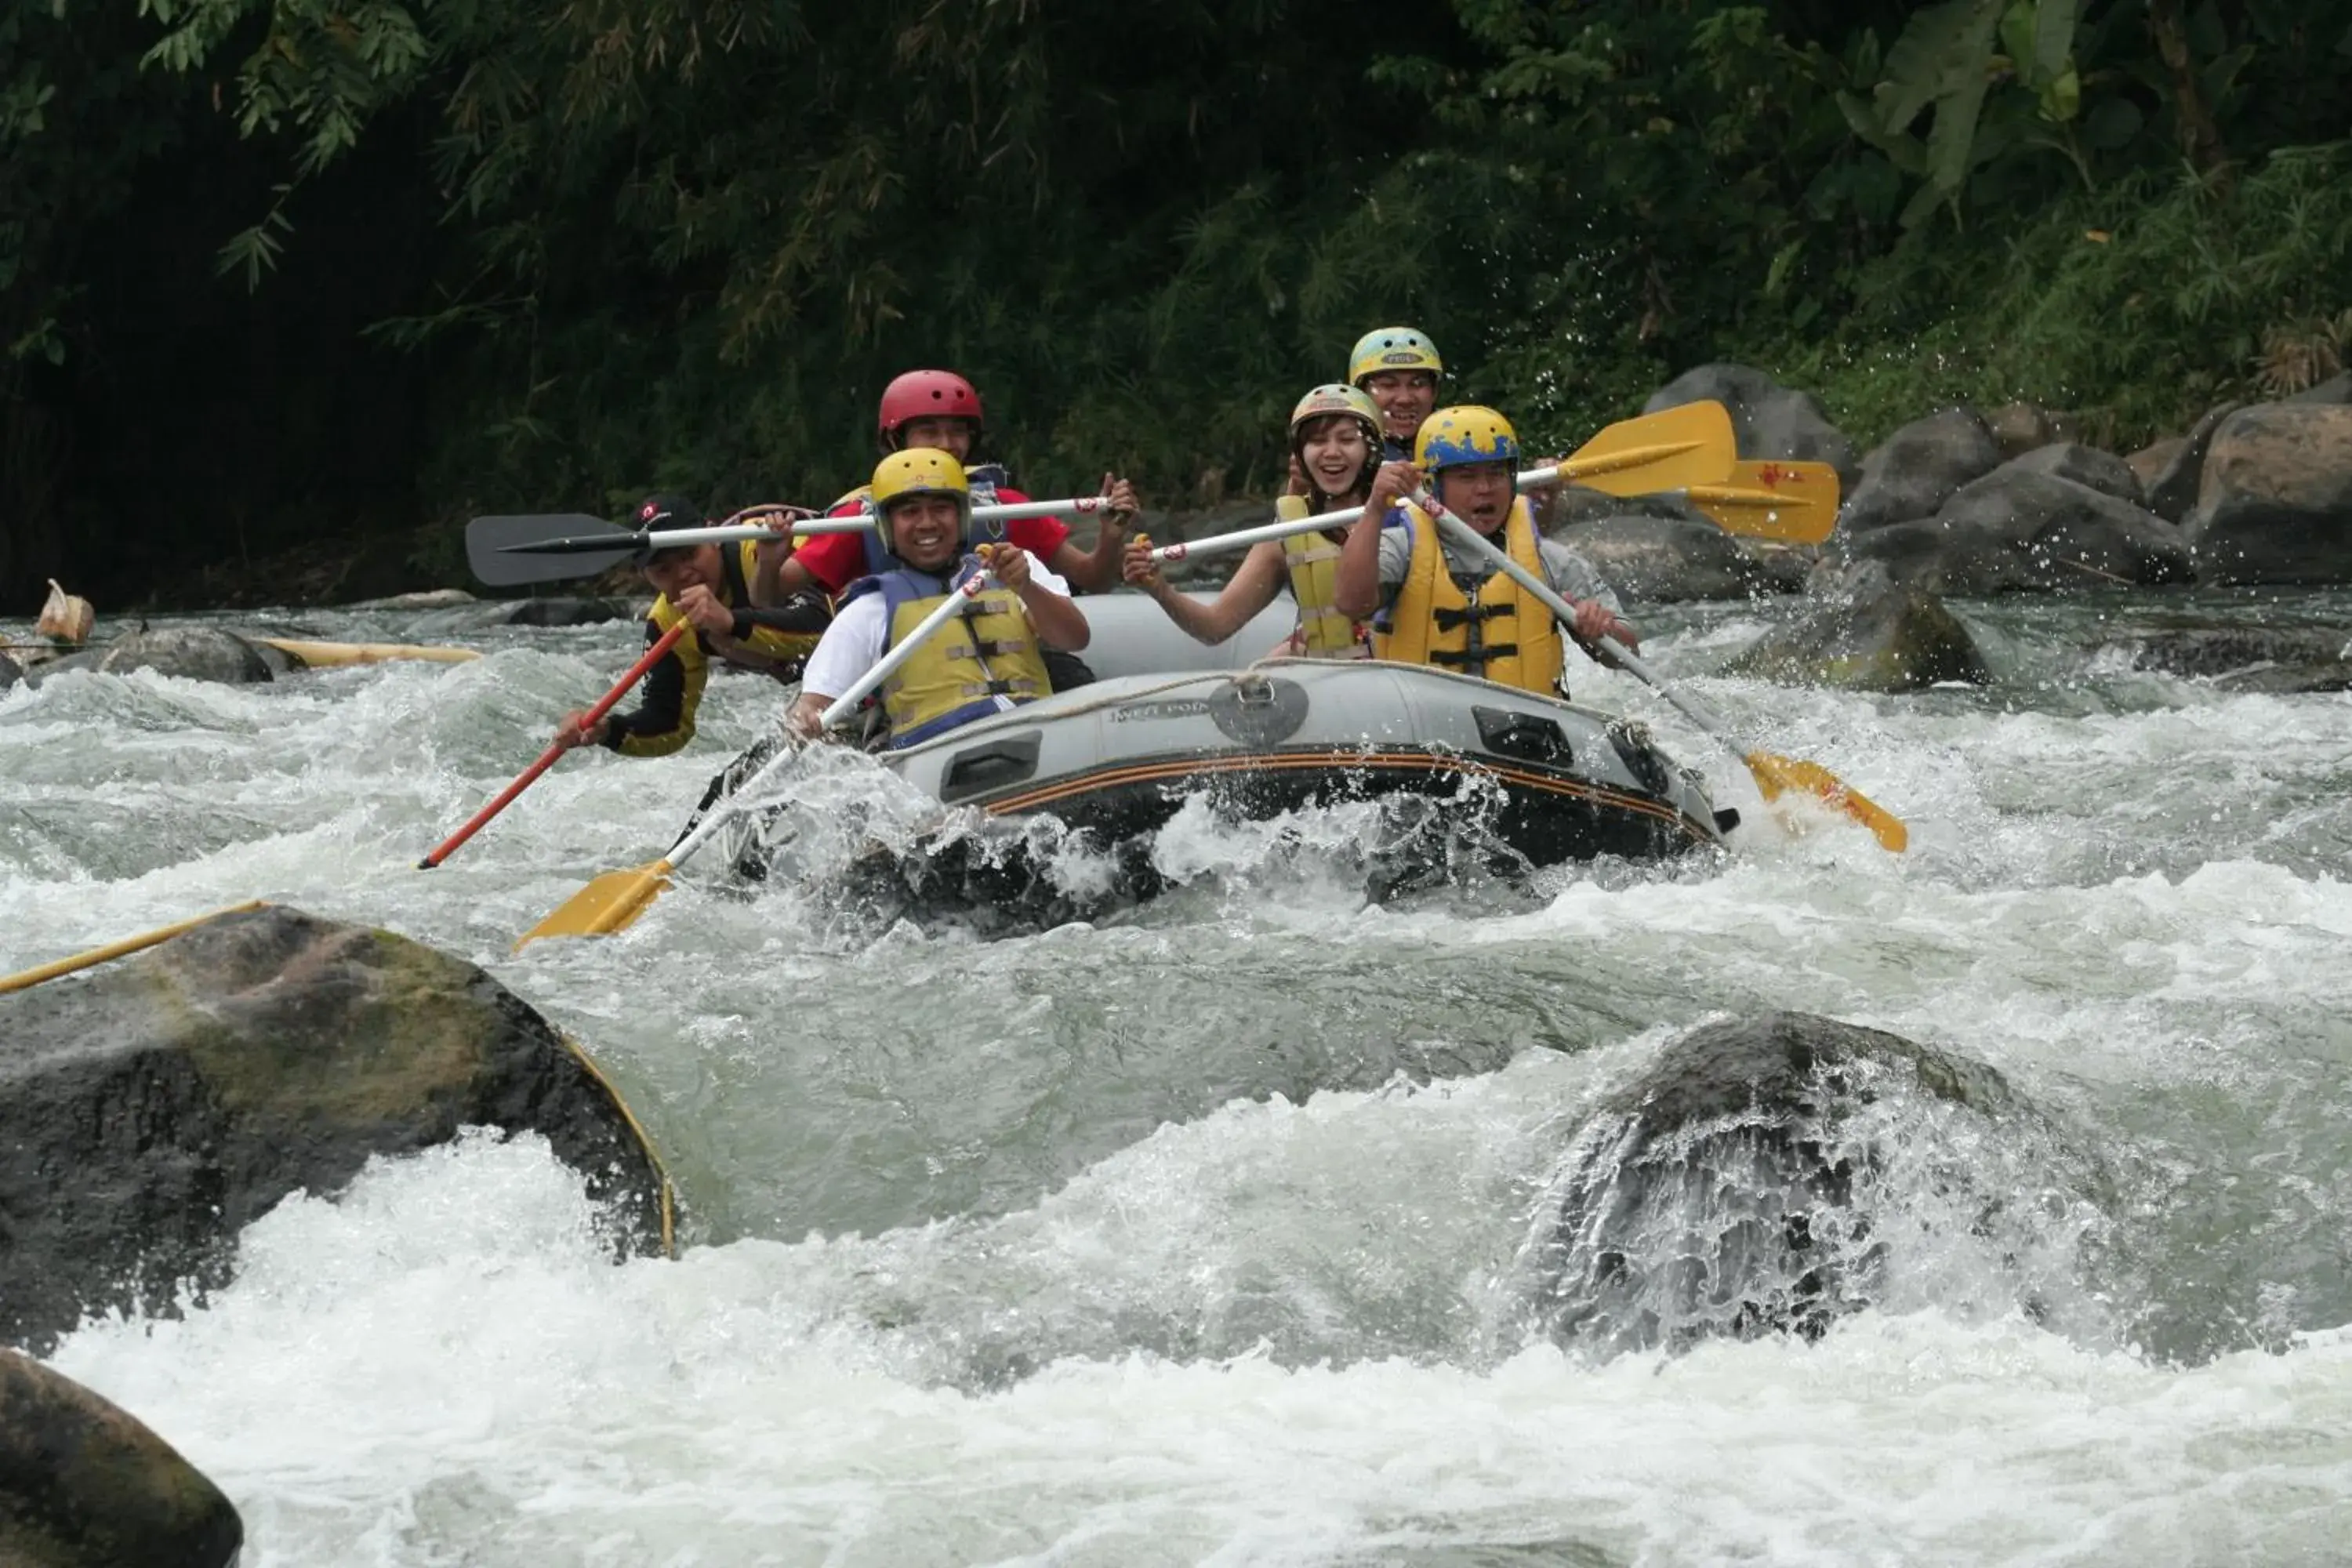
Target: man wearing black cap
707,586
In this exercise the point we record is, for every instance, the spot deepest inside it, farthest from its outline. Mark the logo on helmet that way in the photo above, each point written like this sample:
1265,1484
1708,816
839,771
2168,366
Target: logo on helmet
1400,356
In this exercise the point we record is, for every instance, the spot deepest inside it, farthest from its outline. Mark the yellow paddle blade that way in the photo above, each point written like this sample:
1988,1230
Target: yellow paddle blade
1671,450
1776,775
610,903
1796,503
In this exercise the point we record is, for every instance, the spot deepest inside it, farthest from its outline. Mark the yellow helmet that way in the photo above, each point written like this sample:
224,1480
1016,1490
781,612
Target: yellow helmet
1452,438
1392,348
919,471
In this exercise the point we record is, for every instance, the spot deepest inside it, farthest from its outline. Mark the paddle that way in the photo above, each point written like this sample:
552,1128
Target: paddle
113,950
614,901
530,775
1775,776
506,552
1795,504
1691,445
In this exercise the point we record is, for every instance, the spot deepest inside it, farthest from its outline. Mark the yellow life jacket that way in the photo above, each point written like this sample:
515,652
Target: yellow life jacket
990,651
1497,630
1314,562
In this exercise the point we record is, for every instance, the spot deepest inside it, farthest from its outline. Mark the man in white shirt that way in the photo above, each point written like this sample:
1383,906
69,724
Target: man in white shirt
990,659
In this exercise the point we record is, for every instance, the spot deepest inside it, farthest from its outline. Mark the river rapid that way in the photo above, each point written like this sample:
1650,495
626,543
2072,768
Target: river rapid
1197,1233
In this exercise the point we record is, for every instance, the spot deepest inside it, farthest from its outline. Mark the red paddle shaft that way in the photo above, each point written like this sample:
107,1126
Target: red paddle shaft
547,759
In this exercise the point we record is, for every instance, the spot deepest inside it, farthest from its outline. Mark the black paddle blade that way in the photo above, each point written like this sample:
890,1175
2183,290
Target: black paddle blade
506,550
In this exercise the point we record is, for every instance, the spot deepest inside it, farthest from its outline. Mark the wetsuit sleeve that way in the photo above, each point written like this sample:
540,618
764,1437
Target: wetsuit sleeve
1571,576
787,632
663,719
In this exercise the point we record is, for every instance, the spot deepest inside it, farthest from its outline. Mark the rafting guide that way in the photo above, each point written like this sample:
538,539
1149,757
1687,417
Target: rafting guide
705,588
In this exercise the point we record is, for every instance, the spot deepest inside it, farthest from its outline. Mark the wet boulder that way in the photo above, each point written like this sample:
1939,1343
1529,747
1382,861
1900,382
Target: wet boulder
2172,484
151,1108
10,672
2102,471
1917,468
565,613
2336,391
2017,531
1754,1178
1871,634
2021,427
1666,560
84,1484
2274,502
2213,650
191,653
1771,420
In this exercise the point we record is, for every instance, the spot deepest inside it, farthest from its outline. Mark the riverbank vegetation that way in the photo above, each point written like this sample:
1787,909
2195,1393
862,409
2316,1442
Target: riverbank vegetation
344,272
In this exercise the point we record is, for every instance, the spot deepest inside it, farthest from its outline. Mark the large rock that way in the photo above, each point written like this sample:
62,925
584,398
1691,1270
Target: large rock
2275,501
2207,651
192,653
2173,487
1919,468
2017,530
1660,560
1771,420
2336,390
2021,427
1875,635
2103,471
150,1109
83,1484
10,672
1735,1187
565,613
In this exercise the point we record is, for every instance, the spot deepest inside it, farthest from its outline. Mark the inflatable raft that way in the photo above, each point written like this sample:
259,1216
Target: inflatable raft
1258,736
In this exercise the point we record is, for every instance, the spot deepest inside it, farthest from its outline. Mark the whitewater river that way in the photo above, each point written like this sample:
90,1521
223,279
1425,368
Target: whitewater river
1194,1234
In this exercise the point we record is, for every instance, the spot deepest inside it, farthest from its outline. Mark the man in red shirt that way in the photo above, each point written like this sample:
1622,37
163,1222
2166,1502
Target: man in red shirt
940,409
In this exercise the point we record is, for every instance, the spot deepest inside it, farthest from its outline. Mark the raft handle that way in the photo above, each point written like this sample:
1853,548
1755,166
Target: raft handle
1524,737
976,770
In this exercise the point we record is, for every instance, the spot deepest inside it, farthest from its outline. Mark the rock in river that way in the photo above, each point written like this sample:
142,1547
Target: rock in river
83,1484
1916,471
1771,420
2017,529
192,653
150,1109
1872,634
1666,560
2275,504
1755,1177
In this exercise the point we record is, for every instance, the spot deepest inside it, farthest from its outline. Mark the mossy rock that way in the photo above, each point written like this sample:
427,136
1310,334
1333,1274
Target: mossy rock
151,1107
1876,636
84,1484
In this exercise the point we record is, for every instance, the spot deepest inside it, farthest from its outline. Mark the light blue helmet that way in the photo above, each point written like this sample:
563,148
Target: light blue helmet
1392,348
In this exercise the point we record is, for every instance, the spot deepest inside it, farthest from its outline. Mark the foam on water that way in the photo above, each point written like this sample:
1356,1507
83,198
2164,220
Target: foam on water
1190,1234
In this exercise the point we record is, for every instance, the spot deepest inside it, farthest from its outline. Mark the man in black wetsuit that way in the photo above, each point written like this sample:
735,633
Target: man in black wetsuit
707,586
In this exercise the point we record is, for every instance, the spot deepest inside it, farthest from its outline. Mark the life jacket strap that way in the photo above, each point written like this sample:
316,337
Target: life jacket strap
1468,615
1473,659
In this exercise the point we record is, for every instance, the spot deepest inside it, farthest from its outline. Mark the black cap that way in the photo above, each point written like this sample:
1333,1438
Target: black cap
666,511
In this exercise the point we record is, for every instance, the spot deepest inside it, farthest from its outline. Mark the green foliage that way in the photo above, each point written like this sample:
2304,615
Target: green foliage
684,242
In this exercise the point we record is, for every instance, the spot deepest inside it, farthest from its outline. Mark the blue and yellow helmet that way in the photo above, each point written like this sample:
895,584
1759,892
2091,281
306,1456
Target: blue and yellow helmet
1453,438
1392,348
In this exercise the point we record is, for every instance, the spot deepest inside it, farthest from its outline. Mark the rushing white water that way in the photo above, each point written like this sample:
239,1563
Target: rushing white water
1197,1234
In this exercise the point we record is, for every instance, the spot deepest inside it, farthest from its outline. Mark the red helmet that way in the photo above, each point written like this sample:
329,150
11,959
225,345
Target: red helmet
927,395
